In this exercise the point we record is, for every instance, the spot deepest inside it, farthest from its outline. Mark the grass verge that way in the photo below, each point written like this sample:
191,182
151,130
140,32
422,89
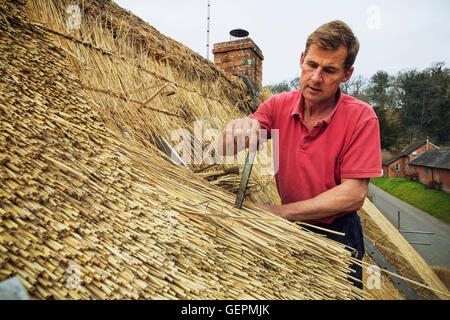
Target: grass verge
436,203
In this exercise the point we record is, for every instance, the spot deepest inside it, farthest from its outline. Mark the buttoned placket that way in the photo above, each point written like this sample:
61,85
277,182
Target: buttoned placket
310,135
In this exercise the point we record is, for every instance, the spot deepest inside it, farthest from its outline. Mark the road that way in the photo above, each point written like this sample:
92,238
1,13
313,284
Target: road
411,218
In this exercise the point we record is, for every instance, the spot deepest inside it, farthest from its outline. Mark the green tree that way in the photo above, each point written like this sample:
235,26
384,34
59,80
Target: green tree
437,106
287,86
281,87
423,98
355,88
409,85
381,96
410,106
294,84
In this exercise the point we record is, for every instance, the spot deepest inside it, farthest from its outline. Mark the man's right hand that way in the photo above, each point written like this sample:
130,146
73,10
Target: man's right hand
239,134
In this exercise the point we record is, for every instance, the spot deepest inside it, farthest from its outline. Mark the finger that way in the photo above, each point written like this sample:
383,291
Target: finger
238,137
246,131
260,145
229,138
255,140
247,125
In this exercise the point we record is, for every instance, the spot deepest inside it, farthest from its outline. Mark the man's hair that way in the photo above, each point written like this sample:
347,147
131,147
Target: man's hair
331,36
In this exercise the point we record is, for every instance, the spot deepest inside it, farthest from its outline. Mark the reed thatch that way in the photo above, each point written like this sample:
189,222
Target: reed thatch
400,254
80,200
386,290
122,63
85,213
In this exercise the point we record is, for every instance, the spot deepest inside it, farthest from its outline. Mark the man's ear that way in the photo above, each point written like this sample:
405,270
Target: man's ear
302,58
348,74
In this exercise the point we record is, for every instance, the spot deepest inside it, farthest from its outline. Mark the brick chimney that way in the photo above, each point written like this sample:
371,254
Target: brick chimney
242,58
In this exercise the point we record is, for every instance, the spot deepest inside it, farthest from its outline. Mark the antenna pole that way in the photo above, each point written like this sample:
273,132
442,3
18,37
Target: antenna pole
207,32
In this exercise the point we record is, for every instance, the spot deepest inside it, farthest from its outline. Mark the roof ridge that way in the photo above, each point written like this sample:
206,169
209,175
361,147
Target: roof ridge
436,158
410,148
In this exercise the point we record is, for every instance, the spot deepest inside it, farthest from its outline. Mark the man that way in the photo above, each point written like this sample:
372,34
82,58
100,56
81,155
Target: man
329,142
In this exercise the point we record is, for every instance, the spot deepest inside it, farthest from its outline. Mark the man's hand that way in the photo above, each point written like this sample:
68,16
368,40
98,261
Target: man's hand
276,210
239,134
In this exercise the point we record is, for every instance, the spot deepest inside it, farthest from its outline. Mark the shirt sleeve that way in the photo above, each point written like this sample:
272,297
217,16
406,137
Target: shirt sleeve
362,156
264,115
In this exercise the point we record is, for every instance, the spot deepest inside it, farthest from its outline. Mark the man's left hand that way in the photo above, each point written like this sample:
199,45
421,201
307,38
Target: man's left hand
277,210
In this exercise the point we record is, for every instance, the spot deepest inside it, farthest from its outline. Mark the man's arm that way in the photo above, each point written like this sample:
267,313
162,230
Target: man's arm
348,196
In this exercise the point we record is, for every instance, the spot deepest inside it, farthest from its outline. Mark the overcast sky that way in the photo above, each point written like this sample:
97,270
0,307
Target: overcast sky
394,35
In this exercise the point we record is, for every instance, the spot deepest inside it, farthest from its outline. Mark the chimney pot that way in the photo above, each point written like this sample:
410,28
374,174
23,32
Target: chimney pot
237,34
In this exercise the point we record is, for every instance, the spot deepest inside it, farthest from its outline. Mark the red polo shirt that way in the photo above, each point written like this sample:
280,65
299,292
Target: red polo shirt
345,145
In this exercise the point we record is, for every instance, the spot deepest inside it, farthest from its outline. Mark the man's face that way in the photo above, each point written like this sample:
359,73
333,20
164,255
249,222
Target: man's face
322,72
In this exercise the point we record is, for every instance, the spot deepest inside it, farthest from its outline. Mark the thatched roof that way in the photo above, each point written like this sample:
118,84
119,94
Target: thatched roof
400,254
87,213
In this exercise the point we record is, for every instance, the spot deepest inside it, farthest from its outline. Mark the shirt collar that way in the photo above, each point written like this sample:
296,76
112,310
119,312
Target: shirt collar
299,104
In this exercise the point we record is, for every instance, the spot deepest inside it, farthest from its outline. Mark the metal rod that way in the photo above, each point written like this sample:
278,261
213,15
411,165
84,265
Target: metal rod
171,152
245,176
421,243
381,261
207,32
414,231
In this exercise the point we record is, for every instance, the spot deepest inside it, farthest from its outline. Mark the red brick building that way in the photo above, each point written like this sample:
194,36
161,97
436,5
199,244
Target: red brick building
432,165
242,58
397,166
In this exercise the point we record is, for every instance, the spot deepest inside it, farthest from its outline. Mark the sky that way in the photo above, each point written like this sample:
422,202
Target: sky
394,35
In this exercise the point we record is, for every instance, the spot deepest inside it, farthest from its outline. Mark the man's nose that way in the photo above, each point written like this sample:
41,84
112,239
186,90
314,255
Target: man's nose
317,75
